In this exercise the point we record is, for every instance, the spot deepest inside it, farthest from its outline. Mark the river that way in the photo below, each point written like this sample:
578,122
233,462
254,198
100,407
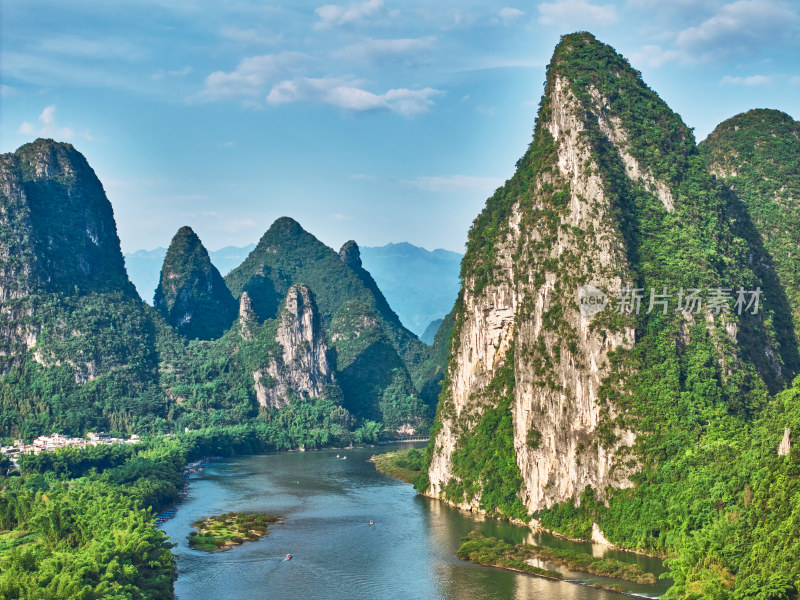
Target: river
327,502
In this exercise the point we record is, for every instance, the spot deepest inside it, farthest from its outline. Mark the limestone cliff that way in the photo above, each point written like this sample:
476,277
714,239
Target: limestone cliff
301,366
544,394
69,316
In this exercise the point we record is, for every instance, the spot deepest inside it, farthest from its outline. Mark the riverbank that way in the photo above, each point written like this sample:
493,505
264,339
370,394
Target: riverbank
404,465
223,532
192,467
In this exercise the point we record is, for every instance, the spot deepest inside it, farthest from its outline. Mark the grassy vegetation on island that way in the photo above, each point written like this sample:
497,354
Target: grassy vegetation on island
497,553
404,465
220,533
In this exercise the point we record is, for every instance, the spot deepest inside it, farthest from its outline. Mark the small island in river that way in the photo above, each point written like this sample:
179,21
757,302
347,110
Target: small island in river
220,533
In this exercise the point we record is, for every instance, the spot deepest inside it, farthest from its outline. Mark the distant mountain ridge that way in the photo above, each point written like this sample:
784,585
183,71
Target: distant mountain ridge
420,285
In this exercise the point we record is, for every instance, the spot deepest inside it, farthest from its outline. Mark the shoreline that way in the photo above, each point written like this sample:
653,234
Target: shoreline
193,467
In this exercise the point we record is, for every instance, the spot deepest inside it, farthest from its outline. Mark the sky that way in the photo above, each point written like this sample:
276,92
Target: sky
378,120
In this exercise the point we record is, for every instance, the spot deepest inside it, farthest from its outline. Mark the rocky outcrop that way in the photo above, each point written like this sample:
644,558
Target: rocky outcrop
302,367
350,254
786,445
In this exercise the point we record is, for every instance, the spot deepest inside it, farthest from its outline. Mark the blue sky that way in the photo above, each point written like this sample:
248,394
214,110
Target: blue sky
379,121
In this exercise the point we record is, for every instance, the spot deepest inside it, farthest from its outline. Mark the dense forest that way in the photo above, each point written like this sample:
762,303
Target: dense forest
81,352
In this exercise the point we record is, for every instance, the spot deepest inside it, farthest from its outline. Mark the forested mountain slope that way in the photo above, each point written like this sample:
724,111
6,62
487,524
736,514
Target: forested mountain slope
618,414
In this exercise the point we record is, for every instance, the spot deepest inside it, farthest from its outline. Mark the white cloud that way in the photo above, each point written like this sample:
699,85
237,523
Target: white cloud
751,80
339,217
345,94
235,225
457,183
377,51
569,14
48,127
794,80
7,90
335,15
739,28
252,37
163,74
508,14
102,48
251,76
653,55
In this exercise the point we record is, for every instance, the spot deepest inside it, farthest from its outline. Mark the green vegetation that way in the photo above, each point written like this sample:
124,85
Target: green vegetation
404,465
220,533
693,406
497,553
756,157
696,391
81,352
79,523
191,295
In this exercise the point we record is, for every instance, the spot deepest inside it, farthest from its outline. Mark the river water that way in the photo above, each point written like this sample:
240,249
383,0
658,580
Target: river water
327,502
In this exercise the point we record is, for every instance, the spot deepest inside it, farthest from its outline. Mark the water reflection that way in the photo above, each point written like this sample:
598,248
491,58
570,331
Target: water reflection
409,552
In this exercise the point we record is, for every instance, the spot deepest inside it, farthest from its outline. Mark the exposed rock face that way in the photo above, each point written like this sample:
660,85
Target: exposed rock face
566,220
368,339
192,294
351,255
786,445
247,316
510,312
302,368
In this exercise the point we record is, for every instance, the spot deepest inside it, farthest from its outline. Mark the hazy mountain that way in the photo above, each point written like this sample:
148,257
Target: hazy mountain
420,285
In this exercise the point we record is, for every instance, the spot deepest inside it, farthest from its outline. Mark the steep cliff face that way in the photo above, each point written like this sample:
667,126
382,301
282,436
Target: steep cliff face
611,196
74,334
192,294
71,222
301,368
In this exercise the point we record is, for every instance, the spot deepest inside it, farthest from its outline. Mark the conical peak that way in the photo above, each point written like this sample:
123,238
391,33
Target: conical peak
285,226
185,232
186,240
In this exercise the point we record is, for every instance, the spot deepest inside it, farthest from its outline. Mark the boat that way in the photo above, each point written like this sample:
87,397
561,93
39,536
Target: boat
288,557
